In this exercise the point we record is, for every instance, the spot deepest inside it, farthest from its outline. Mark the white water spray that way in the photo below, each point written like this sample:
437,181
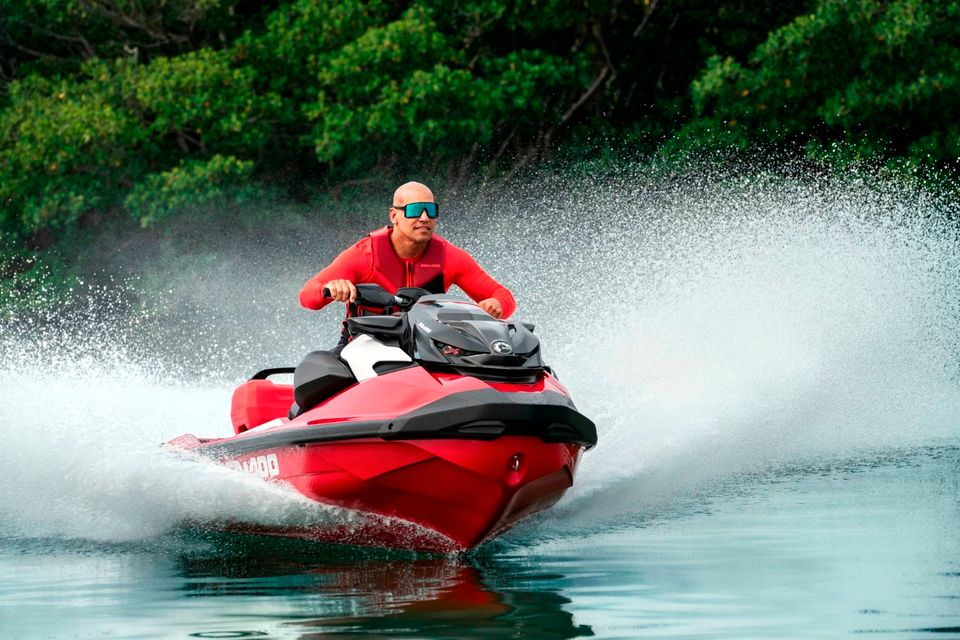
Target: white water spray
718,328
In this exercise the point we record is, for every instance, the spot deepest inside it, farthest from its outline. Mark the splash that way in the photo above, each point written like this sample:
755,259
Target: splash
709,324
714,327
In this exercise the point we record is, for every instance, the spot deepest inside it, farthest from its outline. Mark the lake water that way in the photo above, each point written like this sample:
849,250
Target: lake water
838,548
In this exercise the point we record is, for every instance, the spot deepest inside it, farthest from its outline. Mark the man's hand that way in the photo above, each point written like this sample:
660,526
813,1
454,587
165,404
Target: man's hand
492,306
342,290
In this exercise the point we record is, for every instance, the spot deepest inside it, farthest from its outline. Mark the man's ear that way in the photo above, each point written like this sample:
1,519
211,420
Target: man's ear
393,212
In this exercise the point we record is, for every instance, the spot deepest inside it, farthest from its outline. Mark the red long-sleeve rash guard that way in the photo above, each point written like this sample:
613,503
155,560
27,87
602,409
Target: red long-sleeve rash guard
356,265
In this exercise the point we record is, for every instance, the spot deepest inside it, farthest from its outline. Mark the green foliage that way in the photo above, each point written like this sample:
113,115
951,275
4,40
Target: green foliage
200,100
883,77
365,85
288,50
115,112
193,183
407,90
64,143
74,146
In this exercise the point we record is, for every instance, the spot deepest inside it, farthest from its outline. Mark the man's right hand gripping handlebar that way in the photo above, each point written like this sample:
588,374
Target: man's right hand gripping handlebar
340,290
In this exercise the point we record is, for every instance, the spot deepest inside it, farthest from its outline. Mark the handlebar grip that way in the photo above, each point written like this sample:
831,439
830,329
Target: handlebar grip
326,293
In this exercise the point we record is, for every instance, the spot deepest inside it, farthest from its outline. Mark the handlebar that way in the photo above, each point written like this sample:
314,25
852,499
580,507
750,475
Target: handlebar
373,295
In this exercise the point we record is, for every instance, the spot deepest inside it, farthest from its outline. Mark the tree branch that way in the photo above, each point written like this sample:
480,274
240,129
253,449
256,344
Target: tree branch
481,25
134,19
77,38
503,146
598,34
533,151
646,17
27,50
183,137
586,96
530,155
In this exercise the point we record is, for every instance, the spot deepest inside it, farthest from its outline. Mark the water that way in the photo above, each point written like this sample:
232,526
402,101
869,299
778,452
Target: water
772,367
840,548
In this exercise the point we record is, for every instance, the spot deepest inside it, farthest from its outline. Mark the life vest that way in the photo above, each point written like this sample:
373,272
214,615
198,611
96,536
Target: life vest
392,272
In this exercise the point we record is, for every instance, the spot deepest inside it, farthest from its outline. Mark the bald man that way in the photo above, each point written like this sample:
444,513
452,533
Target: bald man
408,253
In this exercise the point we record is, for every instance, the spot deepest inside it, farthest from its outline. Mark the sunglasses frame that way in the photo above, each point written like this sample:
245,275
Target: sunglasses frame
404,208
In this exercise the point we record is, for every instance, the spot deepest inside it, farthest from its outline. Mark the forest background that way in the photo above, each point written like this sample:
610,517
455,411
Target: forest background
139,116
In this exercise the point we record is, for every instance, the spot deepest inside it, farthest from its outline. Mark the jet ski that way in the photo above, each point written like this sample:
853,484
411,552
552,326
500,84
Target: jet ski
439,424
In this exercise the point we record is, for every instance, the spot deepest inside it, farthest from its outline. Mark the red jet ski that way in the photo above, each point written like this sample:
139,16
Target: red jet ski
441,424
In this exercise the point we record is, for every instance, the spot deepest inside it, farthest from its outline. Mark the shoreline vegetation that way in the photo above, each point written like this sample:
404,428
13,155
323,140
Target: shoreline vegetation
122,118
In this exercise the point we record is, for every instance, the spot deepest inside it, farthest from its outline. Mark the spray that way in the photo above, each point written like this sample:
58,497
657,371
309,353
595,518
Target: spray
710,325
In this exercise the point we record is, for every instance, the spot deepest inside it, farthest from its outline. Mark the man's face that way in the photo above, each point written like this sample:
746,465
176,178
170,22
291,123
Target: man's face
416,229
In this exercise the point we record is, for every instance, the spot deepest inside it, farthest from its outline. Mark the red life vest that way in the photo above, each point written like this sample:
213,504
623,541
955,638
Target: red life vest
393,272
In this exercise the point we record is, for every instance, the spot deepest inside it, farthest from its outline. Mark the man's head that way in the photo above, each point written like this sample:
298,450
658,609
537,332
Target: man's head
421,228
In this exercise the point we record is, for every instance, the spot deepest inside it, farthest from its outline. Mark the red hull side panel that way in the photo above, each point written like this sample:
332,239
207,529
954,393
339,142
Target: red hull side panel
467,491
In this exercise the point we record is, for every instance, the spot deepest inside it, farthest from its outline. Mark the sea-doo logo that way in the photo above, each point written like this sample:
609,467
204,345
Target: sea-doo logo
263,466
502,347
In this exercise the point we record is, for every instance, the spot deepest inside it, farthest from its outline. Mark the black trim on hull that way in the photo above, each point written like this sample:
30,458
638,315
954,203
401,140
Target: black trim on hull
472,415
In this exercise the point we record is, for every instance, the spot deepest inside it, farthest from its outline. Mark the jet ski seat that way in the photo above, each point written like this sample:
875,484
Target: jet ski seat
320,375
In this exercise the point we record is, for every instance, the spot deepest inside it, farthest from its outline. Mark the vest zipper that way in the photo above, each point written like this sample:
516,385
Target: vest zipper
409,268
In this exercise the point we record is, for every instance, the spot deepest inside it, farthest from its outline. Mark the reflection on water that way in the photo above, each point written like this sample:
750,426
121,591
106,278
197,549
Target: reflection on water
218,585
350,591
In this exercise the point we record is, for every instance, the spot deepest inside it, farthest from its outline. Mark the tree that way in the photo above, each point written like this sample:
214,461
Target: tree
881,76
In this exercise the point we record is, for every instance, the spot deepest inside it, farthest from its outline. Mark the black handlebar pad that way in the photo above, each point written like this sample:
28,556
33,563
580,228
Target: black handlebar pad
373,295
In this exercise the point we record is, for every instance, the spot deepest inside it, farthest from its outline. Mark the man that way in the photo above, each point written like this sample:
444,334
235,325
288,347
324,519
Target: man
407,254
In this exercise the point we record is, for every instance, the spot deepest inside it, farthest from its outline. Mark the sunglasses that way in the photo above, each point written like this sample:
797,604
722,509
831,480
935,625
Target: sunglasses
416,209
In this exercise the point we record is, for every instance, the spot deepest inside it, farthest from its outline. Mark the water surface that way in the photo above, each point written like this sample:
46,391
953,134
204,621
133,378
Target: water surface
839,548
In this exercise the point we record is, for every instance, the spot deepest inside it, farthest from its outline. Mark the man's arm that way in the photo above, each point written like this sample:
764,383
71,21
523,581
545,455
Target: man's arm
477,283
352,264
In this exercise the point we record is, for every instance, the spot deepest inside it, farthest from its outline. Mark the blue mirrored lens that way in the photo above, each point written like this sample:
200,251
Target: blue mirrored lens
416,209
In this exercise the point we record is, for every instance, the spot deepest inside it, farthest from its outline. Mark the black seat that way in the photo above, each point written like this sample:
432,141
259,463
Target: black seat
320,375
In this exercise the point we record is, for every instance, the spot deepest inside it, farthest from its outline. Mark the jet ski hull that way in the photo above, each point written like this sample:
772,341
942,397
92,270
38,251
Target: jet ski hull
456,493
